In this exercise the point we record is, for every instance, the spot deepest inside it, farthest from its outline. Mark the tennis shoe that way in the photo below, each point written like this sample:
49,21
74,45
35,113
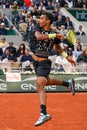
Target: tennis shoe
43,118
72,86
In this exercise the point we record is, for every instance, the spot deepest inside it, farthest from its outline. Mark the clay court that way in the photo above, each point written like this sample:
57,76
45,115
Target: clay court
19,111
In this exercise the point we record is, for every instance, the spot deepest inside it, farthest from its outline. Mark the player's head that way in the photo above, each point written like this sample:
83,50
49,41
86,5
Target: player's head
46,19
49,16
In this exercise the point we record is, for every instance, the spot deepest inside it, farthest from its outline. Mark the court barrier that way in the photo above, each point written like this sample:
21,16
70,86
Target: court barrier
25,82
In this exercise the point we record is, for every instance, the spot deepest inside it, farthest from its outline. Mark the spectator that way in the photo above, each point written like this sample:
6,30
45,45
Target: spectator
3,43
63,17
41,7
59,22
20,18
79,4
82,62
23,30
62,65
2,29
63,30
77,51
36,2
27,17
82,57
78,42
54,28
44,2
80,32
31,23
13,15
10,31
39,12
7,4
32,7
25,12
49,6
26,60
26,57
21,50
4,20
58,5
24,6
54,3
74,3
70,53
68,23
12,49
7,55
15,4
62,3
34,12
52,56
20,3
56,13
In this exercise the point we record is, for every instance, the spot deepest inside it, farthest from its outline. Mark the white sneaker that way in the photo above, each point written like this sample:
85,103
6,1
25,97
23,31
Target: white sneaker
43,118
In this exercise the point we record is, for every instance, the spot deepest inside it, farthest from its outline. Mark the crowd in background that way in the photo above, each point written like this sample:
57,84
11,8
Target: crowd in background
26,18
59,3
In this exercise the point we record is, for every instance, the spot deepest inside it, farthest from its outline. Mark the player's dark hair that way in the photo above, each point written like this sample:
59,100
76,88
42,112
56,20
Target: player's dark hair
49,16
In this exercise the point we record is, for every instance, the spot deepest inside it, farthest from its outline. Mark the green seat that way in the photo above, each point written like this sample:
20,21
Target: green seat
10,32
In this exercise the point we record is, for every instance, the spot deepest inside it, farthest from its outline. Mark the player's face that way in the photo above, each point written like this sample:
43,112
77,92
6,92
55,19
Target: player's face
43,21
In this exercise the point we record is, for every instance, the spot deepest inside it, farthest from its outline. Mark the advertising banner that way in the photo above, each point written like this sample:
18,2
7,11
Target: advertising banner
26,83
80,15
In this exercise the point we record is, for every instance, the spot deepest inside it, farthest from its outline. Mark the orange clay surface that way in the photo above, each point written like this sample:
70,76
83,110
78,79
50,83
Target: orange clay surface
19,111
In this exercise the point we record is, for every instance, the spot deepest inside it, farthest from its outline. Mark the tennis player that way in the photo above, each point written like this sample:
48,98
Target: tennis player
41,40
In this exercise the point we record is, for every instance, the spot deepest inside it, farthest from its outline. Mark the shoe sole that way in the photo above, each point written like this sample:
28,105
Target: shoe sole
43,121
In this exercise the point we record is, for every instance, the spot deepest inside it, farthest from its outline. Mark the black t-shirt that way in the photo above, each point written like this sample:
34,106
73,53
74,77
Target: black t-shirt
41,48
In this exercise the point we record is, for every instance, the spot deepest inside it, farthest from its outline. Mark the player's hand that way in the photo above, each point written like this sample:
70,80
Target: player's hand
60,36
71,61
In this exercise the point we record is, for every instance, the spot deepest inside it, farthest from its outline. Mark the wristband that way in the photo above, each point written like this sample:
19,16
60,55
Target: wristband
52,35
64,54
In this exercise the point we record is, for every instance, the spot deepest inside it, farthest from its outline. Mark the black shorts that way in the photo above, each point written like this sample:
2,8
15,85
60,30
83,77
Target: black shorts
42,68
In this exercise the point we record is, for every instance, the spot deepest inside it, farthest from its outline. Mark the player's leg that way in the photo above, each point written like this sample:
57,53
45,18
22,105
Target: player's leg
44,116
42,71
70,84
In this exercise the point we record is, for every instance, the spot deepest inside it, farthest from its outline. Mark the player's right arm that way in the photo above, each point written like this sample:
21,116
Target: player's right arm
42,37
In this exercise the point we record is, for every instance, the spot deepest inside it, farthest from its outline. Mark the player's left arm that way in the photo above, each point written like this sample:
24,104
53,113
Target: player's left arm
64,54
